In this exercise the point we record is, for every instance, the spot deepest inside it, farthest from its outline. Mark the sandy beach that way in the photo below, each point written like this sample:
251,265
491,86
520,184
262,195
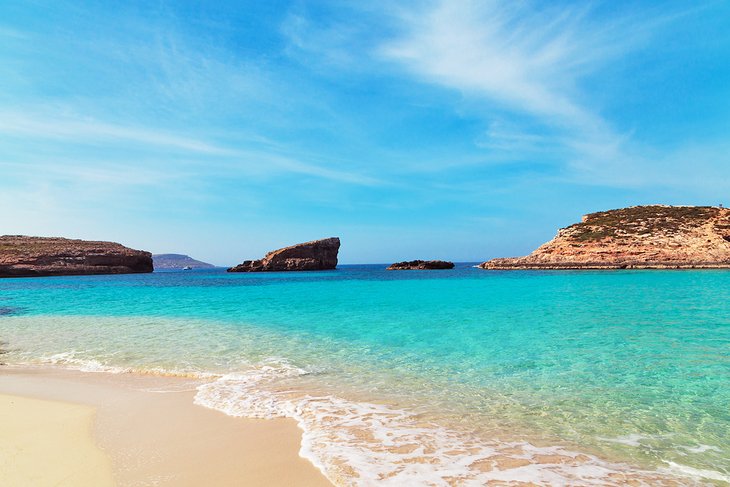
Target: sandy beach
69,428
50,443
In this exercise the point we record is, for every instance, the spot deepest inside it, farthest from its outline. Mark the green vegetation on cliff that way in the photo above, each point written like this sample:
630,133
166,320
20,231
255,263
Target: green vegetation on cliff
642,220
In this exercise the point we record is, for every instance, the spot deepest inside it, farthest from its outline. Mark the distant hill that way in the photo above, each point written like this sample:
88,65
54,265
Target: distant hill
178,261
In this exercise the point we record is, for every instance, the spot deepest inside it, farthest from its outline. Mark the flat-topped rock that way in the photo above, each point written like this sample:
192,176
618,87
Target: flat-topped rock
420,265
22,256
638,237
316,255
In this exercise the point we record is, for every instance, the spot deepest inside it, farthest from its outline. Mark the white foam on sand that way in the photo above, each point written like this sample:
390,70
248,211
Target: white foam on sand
685,470
363,444
75,360
628,440
701,448
72,360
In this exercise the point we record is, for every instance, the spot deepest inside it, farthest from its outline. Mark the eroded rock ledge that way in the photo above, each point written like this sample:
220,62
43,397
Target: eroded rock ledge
421,265
23,256
638,237
316,255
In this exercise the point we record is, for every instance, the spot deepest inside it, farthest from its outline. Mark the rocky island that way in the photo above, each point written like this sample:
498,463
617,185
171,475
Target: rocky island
316,255
178,261
22,256
638,237
420,265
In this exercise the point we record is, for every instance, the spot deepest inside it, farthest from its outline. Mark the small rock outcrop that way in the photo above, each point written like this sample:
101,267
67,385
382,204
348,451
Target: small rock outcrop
178,261
10,310
316,255
22,256
421,265
639,237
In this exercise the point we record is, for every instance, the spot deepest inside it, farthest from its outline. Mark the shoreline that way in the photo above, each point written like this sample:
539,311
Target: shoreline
149,431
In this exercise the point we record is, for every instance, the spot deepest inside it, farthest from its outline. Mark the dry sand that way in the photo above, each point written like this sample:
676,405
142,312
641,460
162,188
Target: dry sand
45,443
61,427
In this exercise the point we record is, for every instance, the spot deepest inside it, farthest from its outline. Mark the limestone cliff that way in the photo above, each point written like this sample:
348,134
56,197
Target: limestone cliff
421,265
639,237
22,256
309,256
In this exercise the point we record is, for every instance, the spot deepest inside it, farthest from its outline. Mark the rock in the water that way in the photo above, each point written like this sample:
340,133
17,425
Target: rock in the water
178,261
639,237
421,265
317,255
22,256
10,310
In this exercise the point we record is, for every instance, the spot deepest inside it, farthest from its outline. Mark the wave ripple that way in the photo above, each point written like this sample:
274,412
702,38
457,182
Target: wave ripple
363,444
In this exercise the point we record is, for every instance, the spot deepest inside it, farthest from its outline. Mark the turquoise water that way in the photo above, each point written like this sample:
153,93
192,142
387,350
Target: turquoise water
427,377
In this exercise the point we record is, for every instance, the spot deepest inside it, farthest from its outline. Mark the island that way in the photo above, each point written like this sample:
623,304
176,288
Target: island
638,237
24,256
421,265
316,255
178,261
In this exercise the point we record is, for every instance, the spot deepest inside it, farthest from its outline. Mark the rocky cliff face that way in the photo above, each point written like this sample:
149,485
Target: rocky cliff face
309,256
639,237
22,256
421,265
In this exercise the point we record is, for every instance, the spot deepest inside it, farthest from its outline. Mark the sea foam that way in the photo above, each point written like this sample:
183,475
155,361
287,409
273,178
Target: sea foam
362,444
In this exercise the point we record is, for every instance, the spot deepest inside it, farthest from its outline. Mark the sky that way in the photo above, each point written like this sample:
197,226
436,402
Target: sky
459,130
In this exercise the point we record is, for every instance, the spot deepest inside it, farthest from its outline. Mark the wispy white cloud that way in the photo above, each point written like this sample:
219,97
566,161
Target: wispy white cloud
506,138
109,173
339,43
327,45
299,167
525,56
512,53
207,157
11,33
699,168
86,130
530,62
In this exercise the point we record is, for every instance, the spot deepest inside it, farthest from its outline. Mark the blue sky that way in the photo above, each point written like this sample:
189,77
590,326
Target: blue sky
460,130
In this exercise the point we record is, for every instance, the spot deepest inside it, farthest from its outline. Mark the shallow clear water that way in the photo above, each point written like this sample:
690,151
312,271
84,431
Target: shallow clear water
629,369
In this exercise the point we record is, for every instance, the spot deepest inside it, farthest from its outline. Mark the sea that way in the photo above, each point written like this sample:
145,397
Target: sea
448,377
